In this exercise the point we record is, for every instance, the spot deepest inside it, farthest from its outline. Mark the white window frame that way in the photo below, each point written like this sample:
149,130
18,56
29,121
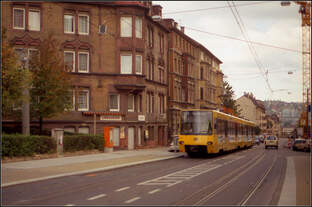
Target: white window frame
84,33
122,34
67,32
73,52
14,27
34,10
118,101
73,108
141,64
131,110
125,72
87,62
138,31
87,108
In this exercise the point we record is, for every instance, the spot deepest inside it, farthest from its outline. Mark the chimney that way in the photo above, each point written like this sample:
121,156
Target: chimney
157,12
175,25
182,29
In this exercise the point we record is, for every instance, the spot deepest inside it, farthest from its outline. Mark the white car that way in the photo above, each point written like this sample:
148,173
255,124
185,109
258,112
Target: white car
174,145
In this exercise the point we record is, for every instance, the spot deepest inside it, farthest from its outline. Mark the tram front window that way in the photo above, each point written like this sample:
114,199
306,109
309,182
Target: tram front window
196,122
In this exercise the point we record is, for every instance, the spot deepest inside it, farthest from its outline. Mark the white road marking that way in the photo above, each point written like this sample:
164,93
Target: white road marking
132,200
121,189
180,176
96,197
154,191
69,204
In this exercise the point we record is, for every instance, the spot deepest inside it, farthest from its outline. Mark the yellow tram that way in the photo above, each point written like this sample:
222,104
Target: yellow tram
210,131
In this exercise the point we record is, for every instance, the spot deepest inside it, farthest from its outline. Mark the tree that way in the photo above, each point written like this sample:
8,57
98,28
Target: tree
51,84
14,78
227,99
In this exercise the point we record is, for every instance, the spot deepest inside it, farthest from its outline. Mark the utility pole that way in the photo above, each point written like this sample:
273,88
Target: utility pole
25,104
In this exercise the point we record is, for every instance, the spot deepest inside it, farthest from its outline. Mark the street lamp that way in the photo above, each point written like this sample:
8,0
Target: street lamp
25,104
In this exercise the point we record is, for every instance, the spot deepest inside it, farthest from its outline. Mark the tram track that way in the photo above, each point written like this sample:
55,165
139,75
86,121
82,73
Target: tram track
252,192
210,191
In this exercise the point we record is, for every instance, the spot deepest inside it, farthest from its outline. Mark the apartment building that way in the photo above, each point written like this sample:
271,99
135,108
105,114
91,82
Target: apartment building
117,54
252,110
210,80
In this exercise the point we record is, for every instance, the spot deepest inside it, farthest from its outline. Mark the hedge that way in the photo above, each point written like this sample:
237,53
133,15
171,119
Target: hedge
22,145
83,142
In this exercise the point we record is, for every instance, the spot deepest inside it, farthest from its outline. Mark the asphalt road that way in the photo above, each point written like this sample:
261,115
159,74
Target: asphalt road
247,177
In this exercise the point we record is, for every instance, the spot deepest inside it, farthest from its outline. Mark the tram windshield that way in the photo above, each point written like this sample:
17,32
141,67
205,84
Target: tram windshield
196,122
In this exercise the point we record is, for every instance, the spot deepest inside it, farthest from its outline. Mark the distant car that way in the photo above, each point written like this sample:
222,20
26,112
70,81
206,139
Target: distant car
271,141
300,144
261,138
257,141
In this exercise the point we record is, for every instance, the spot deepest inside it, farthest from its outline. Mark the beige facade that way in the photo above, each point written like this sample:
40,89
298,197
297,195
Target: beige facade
252,110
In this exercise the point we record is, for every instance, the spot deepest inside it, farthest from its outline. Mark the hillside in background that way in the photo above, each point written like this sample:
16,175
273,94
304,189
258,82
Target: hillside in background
289,113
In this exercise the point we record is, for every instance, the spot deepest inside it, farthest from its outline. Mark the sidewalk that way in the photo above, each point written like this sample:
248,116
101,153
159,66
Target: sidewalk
35,170
297,183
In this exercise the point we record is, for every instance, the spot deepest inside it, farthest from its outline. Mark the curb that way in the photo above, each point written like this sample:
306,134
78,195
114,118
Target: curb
89,171
288,192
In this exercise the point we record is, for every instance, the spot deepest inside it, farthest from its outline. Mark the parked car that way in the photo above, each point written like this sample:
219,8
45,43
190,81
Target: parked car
308,145
173,147
300,144
271,141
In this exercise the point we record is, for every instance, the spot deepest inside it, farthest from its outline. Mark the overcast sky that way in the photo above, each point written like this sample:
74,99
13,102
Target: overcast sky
268,23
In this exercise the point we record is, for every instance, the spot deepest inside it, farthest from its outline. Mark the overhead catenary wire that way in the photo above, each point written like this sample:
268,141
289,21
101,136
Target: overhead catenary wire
252,51
211,8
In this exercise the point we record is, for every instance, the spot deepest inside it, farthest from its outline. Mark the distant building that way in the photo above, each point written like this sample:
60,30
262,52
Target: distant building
252,110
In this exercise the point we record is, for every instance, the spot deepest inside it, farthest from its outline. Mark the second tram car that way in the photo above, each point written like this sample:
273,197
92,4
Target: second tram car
210,131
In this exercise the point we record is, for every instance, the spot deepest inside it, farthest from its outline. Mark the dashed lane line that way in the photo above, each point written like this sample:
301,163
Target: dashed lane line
132,200
96,197
154,191
122,189
69,204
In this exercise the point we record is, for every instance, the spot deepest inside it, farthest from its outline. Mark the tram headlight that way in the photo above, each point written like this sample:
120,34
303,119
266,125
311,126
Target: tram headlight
181,142
209,143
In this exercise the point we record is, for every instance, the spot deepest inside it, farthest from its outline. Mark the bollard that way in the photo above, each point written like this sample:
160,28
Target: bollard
58,135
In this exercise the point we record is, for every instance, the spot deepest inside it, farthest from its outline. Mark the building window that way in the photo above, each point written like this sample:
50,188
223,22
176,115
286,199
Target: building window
131,103
18,18
139,103
83,24
138,27
83,62
34,20
69,23
201,93
126,26
83,130
138,64
72,93
126,64
114,102
69,61
69,129
201,73
83,100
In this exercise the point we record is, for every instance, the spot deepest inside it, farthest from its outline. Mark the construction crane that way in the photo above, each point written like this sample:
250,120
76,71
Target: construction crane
305,11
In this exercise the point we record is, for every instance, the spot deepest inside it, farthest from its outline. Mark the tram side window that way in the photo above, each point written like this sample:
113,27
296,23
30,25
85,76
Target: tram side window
247,130
236,129
226,128
220,127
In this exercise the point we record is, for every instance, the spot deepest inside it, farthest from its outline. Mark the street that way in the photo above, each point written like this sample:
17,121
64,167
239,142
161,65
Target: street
247,177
